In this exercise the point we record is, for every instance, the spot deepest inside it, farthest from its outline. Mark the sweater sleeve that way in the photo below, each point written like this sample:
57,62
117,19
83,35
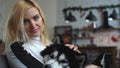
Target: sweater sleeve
26,58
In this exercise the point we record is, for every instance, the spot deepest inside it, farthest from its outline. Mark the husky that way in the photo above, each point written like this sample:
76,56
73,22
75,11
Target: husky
57,55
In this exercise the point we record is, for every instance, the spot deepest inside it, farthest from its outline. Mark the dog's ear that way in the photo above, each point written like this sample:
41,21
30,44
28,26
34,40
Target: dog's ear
58,39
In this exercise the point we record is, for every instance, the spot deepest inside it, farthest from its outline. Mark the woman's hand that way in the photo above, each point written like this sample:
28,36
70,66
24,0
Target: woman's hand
75,48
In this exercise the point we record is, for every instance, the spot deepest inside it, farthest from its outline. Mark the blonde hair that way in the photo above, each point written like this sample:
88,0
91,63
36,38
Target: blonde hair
14,29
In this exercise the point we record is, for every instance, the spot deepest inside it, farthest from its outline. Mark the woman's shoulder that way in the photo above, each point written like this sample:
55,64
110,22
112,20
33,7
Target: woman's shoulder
15,46
16,43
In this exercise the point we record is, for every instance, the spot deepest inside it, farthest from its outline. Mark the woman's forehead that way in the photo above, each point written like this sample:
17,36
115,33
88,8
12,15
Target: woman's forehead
30,13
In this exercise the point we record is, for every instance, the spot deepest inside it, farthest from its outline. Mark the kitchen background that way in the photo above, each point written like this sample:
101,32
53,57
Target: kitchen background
53,10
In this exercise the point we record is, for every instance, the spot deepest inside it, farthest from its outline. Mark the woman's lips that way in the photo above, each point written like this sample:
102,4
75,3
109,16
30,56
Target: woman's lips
34,30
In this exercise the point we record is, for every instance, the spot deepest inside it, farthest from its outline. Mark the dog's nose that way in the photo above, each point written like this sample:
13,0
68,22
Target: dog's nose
47,66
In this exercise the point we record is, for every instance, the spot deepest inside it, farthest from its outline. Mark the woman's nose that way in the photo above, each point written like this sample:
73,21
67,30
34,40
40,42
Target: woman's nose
32,24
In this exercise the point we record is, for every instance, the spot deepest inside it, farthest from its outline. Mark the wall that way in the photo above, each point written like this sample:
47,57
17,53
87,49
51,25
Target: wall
48,6
5,8
84,3
106,38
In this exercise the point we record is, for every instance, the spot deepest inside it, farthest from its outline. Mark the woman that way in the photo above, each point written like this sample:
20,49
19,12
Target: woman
26,35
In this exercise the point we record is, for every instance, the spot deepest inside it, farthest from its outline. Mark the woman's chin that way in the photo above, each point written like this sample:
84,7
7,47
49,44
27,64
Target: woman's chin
34,35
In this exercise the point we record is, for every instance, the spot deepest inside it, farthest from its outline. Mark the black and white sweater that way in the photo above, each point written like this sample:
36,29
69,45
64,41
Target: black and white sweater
26,55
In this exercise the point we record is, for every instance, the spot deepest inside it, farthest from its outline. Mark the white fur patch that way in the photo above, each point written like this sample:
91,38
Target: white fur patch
61,62
92,66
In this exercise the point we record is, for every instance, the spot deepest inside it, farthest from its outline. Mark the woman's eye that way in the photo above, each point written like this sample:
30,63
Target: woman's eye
36,17
26,21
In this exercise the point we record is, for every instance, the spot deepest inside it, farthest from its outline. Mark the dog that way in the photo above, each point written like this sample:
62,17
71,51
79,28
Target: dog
57,55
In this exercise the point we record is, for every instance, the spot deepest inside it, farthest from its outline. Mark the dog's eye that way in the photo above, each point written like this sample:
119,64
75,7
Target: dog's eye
51,56
64,61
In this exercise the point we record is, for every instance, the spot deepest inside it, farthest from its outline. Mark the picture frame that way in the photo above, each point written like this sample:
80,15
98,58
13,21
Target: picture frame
65,32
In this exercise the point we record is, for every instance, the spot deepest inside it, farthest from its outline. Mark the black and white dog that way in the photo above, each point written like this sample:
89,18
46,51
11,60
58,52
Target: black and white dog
60,56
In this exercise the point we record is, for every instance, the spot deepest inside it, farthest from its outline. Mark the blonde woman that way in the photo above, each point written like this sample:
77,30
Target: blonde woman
26,35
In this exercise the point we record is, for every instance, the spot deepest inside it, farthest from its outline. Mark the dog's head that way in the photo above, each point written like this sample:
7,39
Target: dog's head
55,46
60,56
55,54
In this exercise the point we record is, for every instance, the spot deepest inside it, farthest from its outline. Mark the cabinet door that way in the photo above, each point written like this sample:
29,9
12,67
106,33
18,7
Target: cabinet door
105,55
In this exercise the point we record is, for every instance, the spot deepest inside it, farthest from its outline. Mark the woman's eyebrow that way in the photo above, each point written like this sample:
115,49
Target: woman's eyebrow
36,15
26,19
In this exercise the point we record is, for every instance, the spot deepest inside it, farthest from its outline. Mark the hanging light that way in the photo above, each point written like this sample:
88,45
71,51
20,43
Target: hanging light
70,18
113,16
90,17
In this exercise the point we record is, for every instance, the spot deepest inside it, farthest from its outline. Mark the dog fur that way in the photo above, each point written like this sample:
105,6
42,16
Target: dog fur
60,56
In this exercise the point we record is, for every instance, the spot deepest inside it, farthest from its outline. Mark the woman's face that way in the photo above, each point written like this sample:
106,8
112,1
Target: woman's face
33,22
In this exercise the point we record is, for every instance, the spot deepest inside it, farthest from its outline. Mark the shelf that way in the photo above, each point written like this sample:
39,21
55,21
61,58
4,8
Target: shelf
104,30
75,38
96,30
83,33
84,29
